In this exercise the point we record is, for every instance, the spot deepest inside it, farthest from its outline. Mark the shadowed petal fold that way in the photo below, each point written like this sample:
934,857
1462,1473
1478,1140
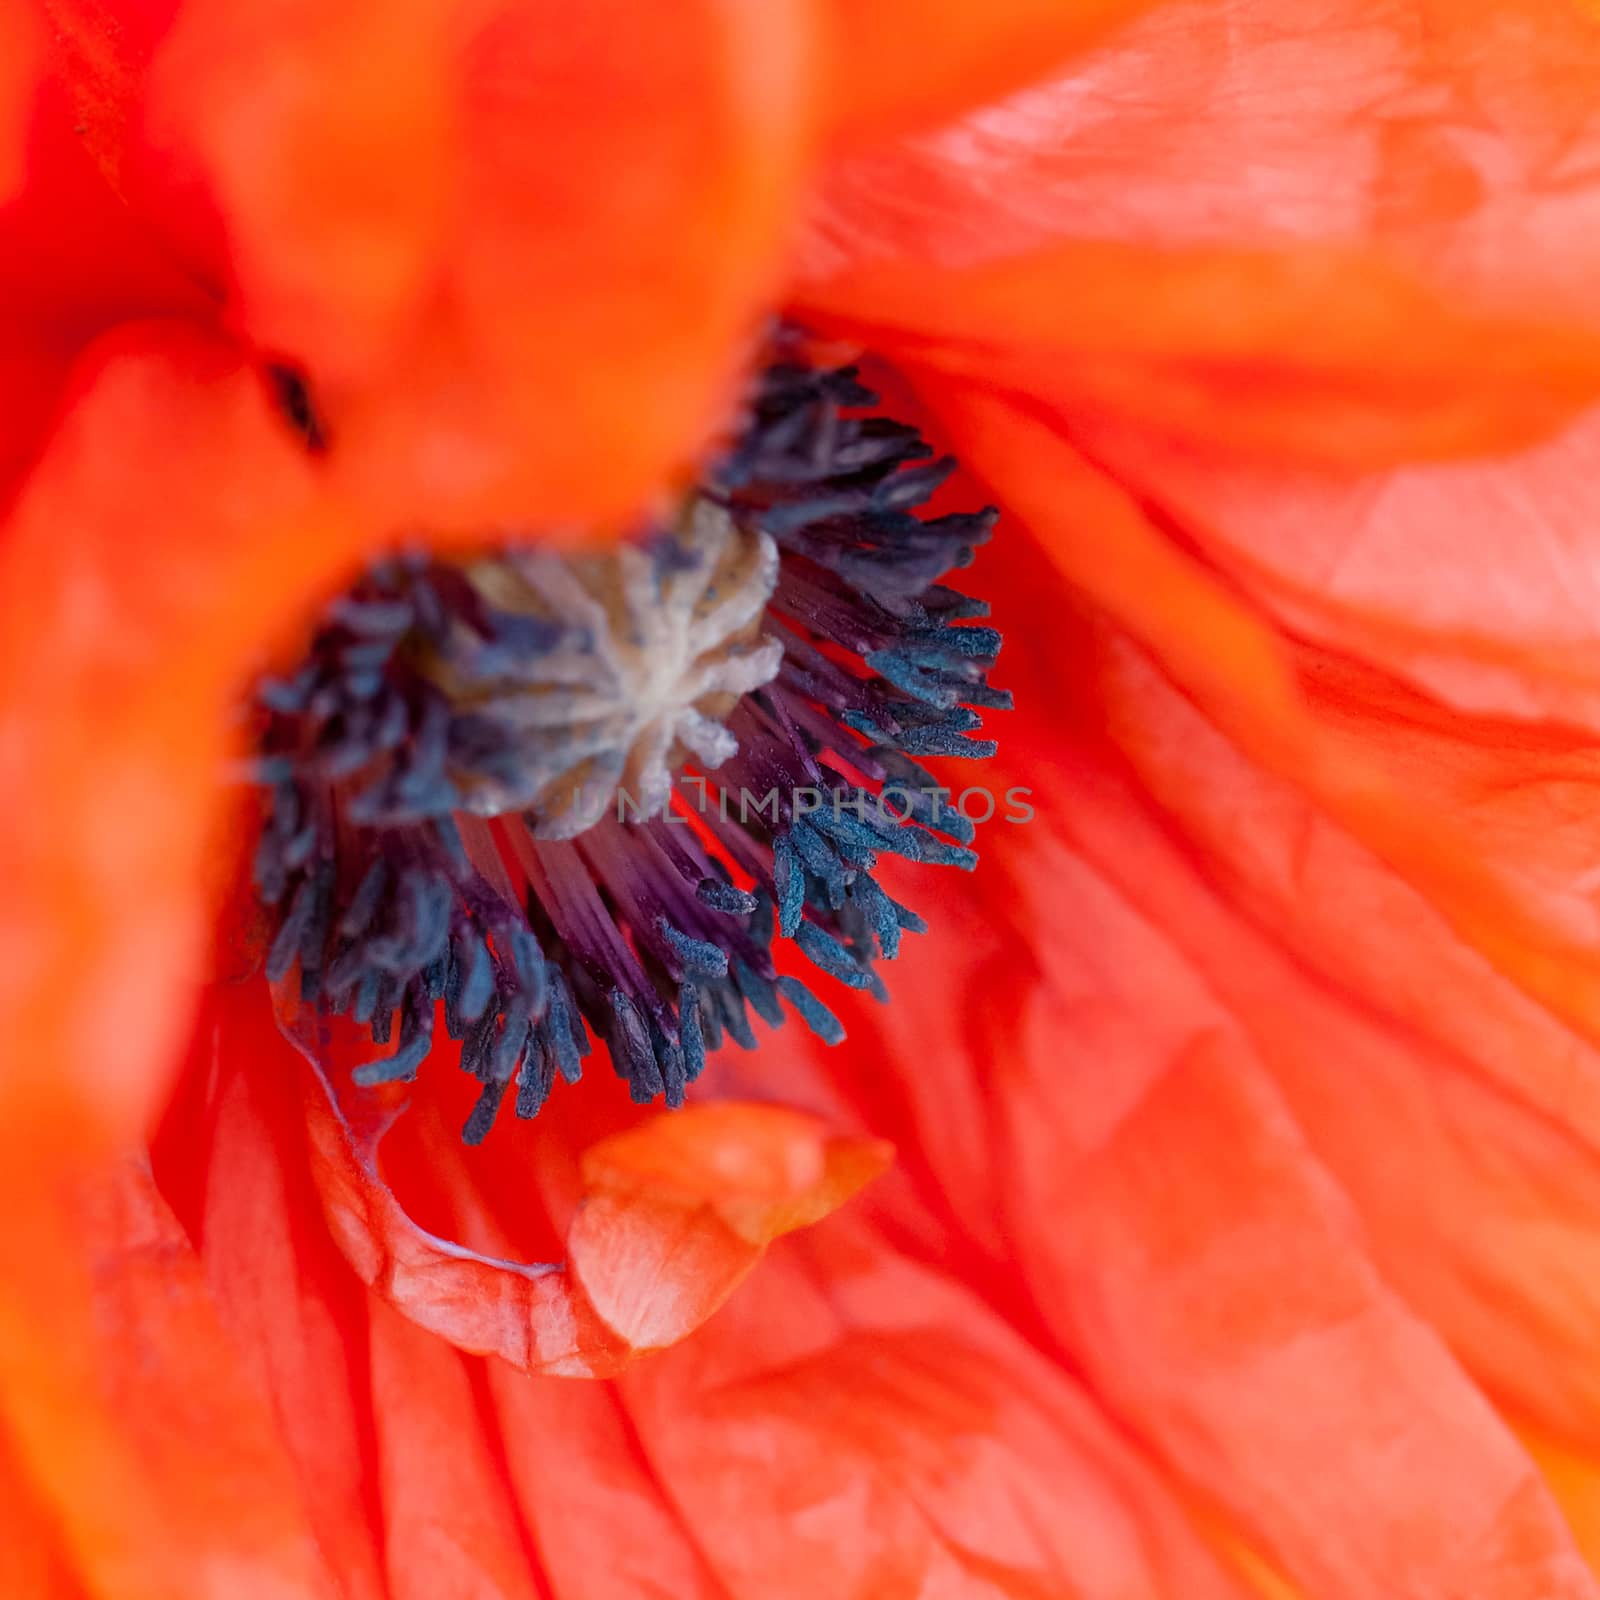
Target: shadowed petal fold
491,232
197,532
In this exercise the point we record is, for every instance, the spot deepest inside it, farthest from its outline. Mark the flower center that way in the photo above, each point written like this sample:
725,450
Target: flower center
652,646
541,796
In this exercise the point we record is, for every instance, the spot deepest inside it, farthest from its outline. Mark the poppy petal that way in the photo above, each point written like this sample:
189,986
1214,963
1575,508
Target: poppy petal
1307,1399
292,106
282,1290
289,1297
455,1531
491,235
18,59
763,1169
1213,123
74,262
1150,1170
897,64
911,1461
1142,1208
32,1560
118,659
1323,749
603,1521
535,1317
1279,237
1393,568
1309,355
135,1421
691,1201
1121,981
1575,1480
1403,1038
1487,1225
1245,676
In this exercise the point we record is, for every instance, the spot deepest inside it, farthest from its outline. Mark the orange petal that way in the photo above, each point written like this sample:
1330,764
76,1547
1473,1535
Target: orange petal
1208,1275
921,1447
1401,1038
1184,232
1383,1029
1181,1238
655,1271
118,659
74,262
1575,1479
1472,580
1441,831
1518,809
133,1418
764,1169
605,1524
326,132
1244,676
282,1291
689,1203
1118,928
1097,542
1212,123
19,53
1326,356
895,64
32,1560
535,1317
294,1305
301,1317
452,1526
519,247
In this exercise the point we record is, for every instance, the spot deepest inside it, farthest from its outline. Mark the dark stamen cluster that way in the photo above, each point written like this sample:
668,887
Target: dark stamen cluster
403,900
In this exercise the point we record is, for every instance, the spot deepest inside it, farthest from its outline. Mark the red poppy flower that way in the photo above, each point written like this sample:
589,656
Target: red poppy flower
1241,1213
